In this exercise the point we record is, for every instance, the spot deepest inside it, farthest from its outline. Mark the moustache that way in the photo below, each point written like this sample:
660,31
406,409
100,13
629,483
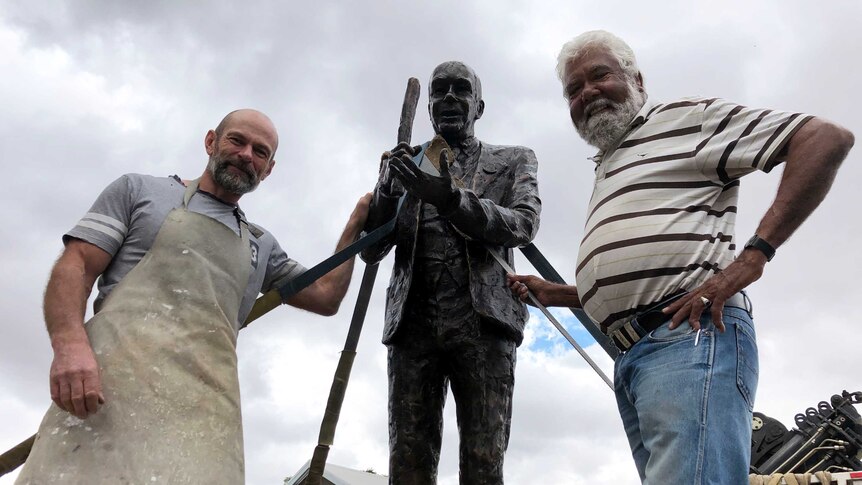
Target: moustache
238,164
597,105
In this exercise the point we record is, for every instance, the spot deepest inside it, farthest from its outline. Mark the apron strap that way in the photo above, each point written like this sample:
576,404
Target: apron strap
192,189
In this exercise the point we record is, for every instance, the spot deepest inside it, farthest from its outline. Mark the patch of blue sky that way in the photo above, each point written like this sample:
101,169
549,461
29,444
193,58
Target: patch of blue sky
540,335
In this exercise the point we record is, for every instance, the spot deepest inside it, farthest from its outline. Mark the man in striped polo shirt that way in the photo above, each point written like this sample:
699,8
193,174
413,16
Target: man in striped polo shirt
659,255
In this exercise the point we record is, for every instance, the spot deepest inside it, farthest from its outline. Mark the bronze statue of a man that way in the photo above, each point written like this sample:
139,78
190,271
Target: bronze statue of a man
450,317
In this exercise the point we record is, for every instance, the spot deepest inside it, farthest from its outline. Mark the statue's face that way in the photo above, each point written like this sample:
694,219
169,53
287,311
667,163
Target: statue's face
454,100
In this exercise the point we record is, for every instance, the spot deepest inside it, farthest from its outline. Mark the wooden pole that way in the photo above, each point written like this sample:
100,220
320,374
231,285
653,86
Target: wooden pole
345,362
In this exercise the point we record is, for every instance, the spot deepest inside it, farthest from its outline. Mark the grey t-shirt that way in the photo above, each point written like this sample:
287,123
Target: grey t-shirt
128,214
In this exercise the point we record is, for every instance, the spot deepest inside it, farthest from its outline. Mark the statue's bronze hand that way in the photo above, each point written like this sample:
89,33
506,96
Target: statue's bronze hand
437,191
387,183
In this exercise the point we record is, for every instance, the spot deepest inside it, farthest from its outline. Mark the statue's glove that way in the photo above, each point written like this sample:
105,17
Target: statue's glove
440,192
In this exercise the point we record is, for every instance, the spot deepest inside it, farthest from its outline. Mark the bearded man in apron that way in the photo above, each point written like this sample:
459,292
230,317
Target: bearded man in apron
147,391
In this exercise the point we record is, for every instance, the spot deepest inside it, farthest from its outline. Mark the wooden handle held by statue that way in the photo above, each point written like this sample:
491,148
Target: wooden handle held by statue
408,110
317,466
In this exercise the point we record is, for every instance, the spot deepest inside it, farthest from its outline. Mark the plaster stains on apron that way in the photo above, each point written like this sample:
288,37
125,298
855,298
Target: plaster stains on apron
165,341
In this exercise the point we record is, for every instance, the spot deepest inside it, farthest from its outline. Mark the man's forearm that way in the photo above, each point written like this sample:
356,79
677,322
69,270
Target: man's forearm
65,303
558,295
74,376
546,292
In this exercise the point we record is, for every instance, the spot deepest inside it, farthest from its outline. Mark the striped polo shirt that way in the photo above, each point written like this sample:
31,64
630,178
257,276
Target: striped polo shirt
663,208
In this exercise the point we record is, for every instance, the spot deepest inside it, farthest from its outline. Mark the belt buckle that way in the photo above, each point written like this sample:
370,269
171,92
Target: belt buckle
625,342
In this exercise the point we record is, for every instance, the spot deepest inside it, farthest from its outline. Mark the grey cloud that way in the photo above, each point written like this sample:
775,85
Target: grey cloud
332,77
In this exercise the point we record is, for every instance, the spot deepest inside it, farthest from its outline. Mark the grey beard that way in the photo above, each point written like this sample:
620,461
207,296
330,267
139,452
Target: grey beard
604,129
234,184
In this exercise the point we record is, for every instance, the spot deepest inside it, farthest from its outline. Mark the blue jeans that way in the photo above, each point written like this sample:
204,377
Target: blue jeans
687,408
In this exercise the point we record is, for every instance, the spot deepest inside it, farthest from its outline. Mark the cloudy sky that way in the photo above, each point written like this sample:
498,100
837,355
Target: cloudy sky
92,90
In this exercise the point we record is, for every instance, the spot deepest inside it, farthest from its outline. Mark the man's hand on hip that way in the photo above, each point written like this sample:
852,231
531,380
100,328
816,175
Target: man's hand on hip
76,385
714,292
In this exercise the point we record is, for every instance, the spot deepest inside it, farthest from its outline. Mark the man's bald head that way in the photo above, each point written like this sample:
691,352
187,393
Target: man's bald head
241,153
250,117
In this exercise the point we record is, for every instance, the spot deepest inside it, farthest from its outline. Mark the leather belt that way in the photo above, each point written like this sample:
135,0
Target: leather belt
645,322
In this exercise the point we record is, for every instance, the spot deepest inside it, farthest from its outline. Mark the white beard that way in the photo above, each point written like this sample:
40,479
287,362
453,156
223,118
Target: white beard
603,129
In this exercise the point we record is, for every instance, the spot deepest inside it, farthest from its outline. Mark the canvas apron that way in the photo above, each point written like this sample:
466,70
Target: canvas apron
166,345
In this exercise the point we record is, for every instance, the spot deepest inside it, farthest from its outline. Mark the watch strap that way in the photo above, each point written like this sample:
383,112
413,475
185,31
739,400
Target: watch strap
759,244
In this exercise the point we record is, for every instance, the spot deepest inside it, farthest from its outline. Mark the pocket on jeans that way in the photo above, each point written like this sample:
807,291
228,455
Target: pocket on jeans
747,367
665,334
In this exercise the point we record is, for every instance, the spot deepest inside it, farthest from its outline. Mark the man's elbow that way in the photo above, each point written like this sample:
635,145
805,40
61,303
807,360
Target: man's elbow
841,140
318,298
847,139
329,300
329,309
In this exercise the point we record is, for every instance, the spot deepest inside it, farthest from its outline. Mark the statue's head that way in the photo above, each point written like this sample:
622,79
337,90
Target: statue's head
454,100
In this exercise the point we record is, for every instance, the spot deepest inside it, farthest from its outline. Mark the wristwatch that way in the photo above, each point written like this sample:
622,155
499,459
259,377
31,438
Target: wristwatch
762,246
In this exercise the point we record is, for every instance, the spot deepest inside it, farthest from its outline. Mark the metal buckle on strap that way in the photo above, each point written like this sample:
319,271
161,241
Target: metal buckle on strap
625,341
620,341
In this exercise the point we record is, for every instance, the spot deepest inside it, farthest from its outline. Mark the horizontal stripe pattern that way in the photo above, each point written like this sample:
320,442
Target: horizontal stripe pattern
663,210
106,225
658,136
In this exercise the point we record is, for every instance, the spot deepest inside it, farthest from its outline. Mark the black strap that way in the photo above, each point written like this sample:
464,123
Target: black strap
288,288
295,285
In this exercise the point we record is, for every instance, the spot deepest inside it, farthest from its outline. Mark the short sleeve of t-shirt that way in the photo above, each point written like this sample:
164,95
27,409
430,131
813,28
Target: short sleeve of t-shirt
736,140
107,222
271,266
280,267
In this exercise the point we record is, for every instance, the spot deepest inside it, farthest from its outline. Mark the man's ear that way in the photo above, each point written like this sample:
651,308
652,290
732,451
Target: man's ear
268,170
209,142
480,108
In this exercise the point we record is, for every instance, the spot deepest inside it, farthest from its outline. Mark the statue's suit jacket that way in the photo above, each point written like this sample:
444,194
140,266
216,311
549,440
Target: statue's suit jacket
497,212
